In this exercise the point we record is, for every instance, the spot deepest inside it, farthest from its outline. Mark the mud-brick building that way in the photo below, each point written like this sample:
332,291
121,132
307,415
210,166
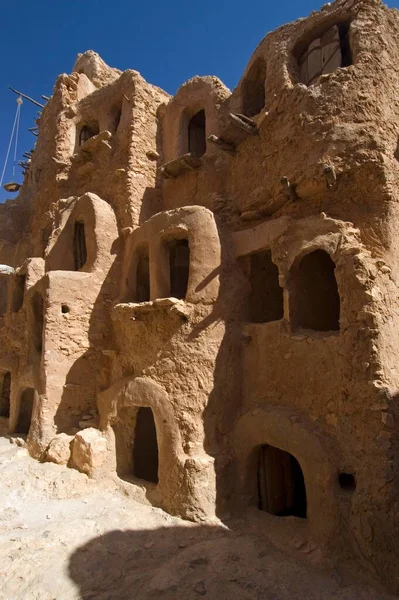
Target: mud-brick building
204,304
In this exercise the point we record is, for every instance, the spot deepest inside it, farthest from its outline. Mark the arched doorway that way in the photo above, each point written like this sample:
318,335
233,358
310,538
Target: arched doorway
197,134
25,411
281,484
314,297
145,449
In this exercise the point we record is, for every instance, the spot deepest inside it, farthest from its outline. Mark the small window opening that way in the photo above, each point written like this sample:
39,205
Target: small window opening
179,267
65,309
87,132
197,135
18,294
266,297
145,449
281,483
347,482
314,297
326,53
143,277
79,245
253,89
38,321
5,395
25,411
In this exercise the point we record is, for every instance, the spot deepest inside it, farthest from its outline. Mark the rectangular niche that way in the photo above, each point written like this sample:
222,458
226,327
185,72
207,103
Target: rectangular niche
266,301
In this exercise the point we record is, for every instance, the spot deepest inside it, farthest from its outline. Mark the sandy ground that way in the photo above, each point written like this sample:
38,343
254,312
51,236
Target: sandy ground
63,537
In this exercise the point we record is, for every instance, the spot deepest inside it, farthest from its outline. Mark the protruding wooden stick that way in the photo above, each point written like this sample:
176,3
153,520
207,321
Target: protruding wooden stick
26,97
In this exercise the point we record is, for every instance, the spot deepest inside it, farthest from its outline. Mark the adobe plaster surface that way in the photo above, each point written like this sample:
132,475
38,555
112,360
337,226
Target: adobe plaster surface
281,172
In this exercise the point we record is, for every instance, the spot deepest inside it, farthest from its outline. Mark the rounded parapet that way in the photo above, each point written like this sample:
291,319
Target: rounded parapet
84,238
174,254
192,116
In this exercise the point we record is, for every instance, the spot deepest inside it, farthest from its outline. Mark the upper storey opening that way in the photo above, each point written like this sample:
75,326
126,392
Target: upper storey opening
196,134
325,53
253,89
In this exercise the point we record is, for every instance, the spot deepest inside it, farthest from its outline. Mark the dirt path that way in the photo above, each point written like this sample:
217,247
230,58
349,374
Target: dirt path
63,538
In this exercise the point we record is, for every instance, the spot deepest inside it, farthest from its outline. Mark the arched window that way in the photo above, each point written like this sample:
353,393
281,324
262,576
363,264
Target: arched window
79,245
326,53
25,411
88,131
314,298
253,89
197,134
266,302
145,449
143,276
38,320
5,395
179,267
282,490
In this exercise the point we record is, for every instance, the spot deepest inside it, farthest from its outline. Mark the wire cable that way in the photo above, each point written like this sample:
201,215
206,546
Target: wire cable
11,139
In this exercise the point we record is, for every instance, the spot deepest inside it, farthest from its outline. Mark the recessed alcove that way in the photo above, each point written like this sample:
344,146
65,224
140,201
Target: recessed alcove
25,411
281,483
266,300
313,290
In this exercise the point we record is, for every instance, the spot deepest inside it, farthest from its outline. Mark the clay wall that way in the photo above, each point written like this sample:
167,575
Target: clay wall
238,280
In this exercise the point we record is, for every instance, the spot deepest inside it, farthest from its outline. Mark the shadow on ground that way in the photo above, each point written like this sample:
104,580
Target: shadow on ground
184,563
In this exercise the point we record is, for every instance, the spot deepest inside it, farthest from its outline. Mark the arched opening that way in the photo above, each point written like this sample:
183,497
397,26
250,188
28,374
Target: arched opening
145,449
25,411
79,245
5,395
314,297
253,89
37,320
326,53
18,293
87,132
266,301
179,267
197,134
143,276
282,490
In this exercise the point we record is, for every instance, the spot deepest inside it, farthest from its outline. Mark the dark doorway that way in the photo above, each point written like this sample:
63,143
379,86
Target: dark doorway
314,297
281,483
79,245
253,89
3,296
37,320
18,293
5,395
25,411
143,276
197,134
145,450
266,297
179,267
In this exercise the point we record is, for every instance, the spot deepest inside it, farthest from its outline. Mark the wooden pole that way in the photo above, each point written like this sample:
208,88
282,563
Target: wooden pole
26,97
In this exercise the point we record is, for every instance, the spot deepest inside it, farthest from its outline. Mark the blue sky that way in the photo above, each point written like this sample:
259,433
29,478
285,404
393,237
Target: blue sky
167,41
